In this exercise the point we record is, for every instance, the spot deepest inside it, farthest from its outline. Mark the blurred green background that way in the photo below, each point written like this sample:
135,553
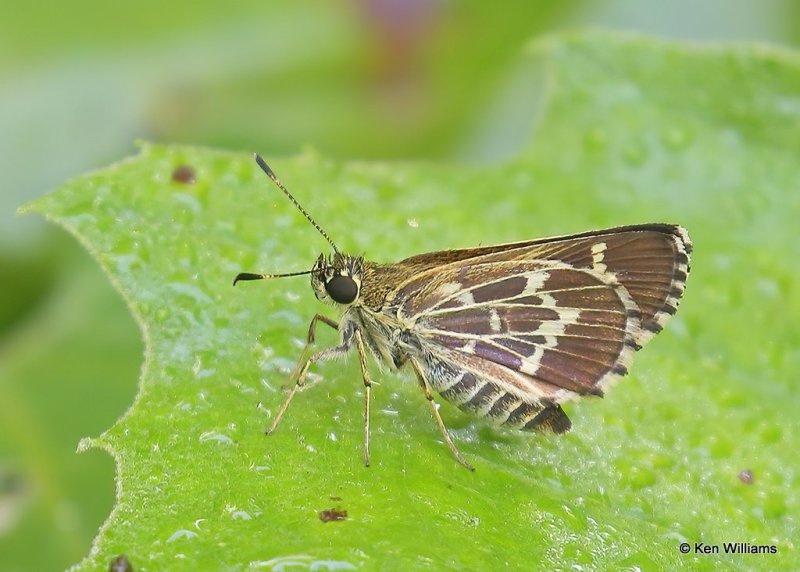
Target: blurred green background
81,81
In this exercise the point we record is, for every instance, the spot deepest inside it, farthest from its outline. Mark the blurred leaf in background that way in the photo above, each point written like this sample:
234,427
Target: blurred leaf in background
81,80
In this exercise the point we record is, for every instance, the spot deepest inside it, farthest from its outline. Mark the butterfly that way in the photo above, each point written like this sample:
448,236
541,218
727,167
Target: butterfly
508,332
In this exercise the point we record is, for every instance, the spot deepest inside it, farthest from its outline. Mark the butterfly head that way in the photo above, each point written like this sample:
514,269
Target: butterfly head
337,279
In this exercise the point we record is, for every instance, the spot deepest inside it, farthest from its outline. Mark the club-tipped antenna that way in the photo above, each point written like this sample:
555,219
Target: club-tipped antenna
252,276
271,175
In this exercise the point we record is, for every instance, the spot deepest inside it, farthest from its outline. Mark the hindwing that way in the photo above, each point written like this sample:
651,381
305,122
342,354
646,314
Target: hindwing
566,327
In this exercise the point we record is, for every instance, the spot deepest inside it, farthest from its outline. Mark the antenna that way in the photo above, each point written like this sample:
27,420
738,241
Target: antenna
271,175
251,276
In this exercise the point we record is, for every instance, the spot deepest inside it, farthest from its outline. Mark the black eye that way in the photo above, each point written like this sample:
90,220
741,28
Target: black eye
342,289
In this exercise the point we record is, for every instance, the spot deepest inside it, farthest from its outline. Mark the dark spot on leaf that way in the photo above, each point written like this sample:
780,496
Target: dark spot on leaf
746,476
184,174
332,515
120,564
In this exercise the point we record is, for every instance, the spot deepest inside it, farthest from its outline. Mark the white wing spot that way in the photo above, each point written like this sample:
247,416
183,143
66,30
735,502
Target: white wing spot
598,251
535,282
494,321
466,298
448,288
599,247
598,254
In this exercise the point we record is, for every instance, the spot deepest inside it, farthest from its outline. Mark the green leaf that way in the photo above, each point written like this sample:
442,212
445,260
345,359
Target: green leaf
633,130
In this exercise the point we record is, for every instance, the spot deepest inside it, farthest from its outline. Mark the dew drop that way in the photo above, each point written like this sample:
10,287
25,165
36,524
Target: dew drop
215,436
182,533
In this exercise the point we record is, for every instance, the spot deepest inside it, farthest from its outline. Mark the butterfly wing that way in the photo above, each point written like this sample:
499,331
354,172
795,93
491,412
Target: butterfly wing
510,334
650,261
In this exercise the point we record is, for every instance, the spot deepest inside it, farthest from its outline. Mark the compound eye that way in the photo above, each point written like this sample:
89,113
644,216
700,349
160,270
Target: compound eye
342,289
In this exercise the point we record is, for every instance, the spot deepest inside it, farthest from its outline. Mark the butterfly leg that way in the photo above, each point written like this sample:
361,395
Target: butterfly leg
362,360
298,376
429,396
313,326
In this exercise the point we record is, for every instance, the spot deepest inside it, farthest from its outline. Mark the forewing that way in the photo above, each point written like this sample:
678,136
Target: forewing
650,261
